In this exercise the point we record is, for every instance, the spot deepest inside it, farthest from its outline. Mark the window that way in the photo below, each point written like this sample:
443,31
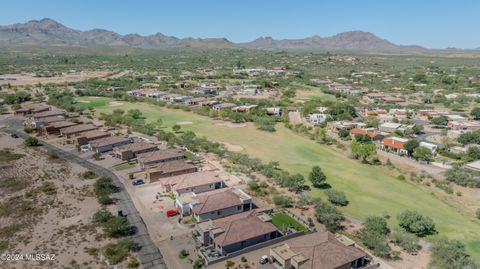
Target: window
239,207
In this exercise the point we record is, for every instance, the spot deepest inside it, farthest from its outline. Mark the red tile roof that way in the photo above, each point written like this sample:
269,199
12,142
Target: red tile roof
370,133
394,143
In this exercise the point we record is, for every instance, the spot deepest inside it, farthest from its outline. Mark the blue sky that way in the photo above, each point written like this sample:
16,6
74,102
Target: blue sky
433,24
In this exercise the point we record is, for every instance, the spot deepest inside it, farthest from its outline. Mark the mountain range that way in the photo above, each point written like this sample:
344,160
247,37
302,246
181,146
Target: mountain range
50,32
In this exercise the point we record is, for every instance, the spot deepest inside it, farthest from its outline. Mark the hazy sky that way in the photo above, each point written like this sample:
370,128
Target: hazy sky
430,23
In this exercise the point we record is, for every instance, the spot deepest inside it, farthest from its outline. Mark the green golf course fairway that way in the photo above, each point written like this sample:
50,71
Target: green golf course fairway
370,190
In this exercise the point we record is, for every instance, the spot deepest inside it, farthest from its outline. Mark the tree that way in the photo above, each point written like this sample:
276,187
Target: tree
362,151
377,225
474,153
477,213
475,113
440,120
328,215
416,223
374,234
336,197
116,226
317,177
450,254
423,153
343,133
31,142
407,241
176,128
411,145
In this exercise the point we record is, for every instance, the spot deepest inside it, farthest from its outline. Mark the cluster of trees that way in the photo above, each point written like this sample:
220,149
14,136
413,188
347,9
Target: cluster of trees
364,150
375,233
104,187
133,118
114,226
450,254
463,177
328,215
15,98
65,100
469,138
418,152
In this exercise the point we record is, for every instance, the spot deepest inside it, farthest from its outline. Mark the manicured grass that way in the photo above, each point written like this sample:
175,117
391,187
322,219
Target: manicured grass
123,166
282,221
371,190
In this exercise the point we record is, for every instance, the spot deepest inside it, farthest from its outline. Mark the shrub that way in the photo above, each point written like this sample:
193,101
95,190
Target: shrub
328,215
450,254
282,201
116,226
416,223
49,188
199,263
117,252
183,254
373,235
407,241
463,177
31,142
229,263
28,130
133,263
89,175
477,213
336,197
102,215
97,156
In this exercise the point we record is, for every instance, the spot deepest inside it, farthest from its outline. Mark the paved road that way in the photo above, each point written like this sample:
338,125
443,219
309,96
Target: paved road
149,254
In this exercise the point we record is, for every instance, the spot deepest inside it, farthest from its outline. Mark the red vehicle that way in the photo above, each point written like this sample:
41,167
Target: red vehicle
172,212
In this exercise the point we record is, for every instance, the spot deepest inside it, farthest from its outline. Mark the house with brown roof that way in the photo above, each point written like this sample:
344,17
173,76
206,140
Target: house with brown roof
55,127
197,182
25,111
130,151
108,143
318,251
77,129
160,156
395,144
48,113
169,169
373,134
44,121
214,204
236,232
222,106
86,137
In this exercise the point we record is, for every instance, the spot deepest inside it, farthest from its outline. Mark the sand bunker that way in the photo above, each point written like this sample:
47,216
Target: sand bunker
231,124
184,122
115,103
232,147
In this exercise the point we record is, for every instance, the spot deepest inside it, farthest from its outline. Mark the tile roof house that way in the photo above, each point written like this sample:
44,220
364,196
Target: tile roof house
318,251
214,204
45,121
130,151
108,143
159,156
197,182
236,232
370,132
395,144
77,129
169,169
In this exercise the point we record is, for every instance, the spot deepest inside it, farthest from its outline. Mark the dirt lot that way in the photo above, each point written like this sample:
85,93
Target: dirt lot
47,208
29,79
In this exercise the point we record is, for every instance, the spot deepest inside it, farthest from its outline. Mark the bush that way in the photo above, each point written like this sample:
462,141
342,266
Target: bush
89,175
477,213
49,188
450,254
374,234
97,156
102,215
336,197
463,177
133,263
28,130
328,215
31,142
282,201
116,226
406,241
103,188
416,223
118,252
229,263
183,254
199,263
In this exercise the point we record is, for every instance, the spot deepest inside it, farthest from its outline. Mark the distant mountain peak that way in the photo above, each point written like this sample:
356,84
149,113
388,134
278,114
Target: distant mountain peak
50,32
